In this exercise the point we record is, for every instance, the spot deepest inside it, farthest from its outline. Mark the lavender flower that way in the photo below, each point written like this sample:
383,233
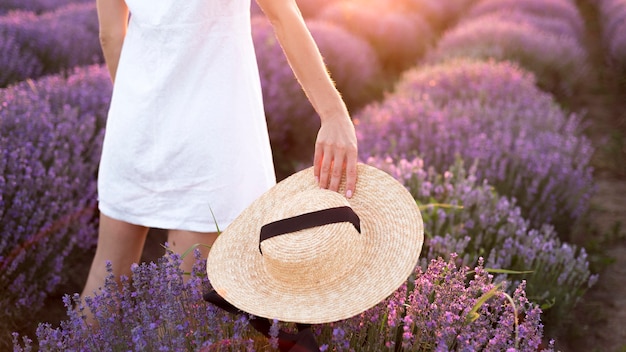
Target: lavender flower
559,63
434,316
49,43
613,13
37,6
51,134
551,9
16,63
475,222
617,48
156,311
556,25
612,18
490,81
493,114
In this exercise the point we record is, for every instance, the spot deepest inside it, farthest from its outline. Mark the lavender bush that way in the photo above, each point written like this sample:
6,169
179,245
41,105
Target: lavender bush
292,121
37,6
559,63
352,62
612,15
463,79
525,145
557,26
156,311
52,42
476,222
439,310
16,63
617,50
50,139
399,38
440,14
563,10
613,20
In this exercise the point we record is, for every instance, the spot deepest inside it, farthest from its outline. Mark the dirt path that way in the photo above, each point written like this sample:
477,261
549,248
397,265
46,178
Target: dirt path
599,321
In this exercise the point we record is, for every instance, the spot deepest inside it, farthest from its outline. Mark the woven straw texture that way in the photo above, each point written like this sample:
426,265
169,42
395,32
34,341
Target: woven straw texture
326,273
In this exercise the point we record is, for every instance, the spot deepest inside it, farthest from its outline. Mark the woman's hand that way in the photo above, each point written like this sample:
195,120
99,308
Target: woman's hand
336,153
336,146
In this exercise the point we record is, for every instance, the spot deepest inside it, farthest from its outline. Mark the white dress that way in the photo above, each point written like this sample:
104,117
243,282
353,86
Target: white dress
186,144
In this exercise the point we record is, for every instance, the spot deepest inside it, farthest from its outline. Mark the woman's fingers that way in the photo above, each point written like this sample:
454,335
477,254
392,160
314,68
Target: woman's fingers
330,165
336,171
324,165
317,163
336,155
351,173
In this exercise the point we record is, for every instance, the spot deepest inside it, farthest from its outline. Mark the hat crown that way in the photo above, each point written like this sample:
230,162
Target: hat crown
318,255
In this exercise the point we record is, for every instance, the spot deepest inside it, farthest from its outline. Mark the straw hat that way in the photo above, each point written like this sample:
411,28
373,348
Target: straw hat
327,272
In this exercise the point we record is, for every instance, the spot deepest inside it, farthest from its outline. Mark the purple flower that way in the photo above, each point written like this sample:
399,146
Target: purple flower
498,232
559,62
15,62
59,40
493,115
37,6
547,9
612,18
154,311
557,25
435,315
274,330
51,135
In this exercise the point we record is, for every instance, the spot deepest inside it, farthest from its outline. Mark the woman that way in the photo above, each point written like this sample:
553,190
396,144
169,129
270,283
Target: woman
186,146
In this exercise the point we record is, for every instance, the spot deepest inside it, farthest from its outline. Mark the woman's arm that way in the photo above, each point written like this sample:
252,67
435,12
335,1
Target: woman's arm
336,145
113,21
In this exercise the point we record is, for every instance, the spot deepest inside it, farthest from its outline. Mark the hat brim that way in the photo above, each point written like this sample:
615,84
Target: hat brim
393,230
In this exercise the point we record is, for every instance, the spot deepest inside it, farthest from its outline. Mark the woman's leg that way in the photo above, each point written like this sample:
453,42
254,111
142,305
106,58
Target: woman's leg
120,243
180,241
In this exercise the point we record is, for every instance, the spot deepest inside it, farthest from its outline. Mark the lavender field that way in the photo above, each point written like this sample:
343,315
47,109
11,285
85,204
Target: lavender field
504,119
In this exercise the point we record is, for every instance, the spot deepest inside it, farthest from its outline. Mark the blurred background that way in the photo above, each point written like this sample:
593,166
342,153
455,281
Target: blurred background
513,109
